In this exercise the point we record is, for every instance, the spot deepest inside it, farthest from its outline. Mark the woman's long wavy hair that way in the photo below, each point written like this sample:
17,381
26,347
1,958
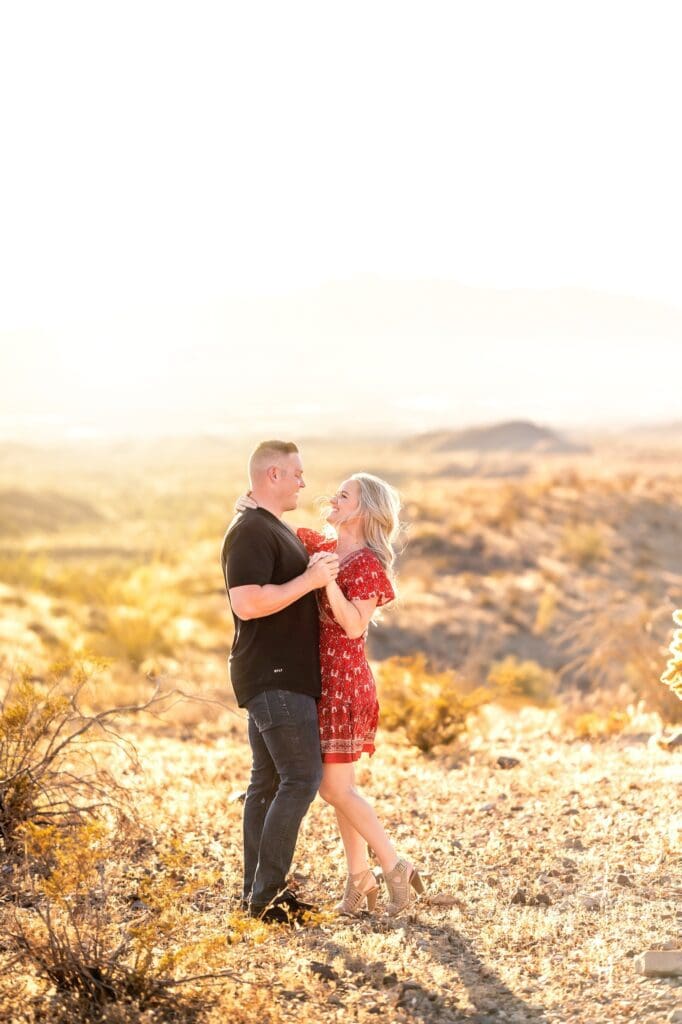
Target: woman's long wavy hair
380,509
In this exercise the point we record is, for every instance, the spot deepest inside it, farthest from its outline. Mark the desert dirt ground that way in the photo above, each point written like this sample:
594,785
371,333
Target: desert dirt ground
546,582
590,833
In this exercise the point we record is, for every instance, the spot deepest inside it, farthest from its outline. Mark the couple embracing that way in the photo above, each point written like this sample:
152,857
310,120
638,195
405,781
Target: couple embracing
301,604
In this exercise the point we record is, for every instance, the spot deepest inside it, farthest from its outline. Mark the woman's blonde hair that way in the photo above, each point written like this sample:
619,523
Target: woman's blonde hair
380,510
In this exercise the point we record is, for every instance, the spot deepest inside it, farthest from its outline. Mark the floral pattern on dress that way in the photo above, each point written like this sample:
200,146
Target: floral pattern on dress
348,709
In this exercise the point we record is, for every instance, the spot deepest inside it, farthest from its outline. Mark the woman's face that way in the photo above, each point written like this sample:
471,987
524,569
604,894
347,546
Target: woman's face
345,503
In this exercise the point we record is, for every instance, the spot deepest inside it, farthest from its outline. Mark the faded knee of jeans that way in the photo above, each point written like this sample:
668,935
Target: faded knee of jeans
305,787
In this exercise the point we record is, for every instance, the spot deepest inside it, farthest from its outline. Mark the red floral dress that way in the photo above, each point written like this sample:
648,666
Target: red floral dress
348,709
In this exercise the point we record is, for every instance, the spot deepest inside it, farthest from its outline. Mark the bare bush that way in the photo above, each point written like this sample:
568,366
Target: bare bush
49,774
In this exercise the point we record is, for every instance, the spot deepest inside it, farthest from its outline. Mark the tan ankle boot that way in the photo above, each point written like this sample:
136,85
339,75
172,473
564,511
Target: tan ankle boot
400,882
360,887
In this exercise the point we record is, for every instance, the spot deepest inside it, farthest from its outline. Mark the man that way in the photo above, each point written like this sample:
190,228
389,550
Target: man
275,673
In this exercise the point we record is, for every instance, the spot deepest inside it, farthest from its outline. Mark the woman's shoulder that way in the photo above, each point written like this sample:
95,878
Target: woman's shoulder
365,577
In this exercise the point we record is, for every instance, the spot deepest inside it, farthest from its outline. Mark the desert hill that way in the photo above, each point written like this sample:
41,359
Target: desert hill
23,512
509,436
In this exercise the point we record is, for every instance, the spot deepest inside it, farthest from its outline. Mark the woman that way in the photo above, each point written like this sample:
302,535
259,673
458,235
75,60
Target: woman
364,515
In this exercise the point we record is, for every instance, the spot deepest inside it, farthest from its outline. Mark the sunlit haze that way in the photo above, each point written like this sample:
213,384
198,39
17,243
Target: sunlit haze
315,218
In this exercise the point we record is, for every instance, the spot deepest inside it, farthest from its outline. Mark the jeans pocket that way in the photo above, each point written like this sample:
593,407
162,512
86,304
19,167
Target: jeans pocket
259,711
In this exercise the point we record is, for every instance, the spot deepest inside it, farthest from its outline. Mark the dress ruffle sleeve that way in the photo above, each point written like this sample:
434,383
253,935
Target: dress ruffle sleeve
368,579
314,541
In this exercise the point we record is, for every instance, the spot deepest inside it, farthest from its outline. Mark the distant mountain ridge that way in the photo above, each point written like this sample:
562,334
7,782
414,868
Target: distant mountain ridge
508,436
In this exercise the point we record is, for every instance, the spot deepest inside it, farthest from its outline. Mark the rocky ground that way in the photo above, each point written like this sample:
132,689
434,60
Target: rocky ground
545,880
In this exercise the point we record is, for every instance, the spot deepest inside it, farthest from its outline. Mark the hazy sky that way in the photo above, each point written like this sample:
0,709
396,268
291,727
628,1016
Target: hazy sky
160,160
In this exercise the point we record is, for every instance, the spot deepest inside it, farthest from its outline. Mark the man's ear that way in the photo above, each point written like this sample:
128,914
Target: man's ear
273,472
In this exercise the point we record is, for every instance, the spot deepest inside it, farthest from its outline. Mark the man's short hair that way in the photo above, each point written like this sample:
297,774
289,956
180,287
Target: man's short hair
269,452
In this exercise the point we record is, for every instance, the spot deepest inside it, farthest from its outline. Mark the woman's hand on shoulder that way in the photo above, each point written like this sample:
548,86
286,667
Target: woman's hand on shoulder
244,502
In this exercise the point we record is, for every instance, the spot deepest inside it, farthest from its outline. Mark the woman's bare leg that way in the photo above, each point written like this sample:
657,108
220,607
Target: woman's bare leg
357,819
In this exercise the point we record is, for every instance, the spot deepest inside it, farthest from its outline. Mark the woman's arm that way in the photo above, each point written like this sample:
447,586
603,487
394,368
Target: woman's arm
352,616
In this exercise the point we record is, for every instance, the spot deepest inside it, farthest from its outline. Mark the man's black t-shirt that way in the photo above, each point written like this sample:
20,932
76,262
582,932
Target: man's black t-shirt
278,651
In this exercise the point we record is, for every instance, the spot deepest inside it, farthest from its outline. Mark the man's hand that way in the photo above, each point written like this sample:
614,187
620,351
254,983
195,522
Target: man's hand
323,567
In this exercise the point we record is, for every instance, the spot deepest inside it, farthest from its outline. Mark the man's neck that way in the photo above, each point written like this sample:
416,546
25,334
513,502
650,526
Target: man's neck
263,501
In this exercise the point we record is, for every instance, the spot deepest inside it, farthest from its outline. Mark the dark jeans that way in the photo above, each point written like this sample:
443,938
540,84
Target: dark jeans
286,773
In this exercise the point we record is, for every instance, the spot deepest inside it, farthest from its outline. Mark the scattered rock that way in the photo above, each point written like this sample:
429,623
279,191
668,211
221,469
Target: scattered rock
139,906
673,743
508,762
444,899
519,898
323,971
660,963
575,843
486,807
624,880
389,980
676,1016
590,902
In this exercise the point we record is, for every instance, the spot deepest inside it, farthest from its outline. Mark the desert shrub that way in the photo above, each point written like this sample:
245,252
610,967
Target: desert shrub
619,644
432,707
672,677
22,570
48,770
514,678
102,938
584,544
546,610
592,726
133,634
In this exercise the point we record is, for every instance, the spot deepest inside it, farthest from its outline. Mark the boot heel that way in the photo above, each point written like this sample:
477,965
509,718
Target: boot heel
416,882
372,899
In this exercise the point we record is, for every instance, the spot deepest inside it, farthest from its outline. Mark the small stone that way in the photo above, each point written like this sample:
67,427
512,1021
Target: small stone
411,983
486,807
676,1016
590,902
389,980
519,898
444,899
673,743
575,843
660,963
508,762
323,971
624,880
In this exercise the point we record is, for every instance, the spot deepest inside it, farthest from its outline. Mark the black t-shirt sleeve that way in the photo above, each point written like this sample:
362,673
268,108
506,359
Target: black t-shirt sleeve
250,555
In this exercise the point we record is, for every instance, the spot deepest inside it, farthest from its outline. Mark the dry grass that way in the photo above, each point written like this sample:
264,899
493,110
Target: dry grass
555,588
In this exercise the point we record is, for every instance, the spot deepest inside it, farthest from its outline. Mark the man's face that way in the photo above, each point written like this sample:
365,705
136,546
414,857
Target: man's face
290,481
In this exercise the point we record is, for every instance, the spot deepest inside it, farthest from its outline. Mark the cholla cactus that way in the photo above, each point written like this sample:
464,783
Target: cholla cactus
672,676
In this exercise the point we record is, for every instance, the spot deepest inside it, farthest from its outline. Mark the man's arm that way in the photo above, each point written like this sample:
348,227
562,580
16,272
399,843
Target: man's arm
255,602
